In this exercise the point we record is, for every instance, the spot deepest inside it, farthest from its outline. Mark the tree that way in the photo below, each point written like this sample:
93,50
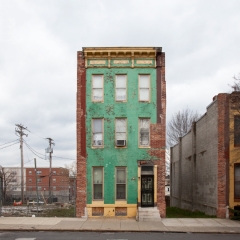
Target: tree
180,124
236,84
7,177
72,167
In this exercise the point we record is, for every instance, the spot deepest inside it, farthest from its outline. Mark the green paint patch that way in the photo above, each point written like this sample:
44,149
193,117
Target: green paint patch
174,212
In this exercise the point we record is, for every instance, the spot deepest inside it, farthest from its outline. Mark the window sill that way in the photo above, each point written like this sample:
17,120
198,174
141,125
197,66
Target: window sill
144,146
95,147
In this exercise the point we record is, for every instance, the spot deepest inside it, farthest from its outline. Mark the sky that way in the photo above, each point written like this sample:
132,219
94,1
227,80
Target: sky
39,41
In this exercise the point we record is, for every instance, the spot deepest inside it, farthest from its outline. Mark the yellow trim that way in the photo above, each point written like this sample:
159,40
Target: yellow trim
155,183
139,184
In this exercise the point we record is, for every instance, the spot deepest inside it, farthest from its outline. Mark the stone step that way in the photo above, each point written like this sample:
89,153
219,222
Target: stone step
148,214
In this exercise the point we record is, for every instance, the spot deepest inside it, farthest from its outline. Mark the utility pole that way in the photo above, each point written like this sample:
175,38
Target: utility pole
19,131
35,164
50,151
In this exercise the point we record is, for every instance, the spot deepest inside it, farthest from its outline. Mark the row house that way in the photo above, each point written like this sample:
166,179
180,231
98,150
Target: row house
121,110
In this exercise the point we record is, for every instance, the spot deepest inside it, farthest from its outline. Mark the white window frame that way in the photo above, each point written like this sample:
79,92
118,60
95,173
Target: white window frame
39,172
97,183
39,180
121,184
54,180
120,88
142,130
39,188
30,172
54,188
140,97
96,142
97,88
117,133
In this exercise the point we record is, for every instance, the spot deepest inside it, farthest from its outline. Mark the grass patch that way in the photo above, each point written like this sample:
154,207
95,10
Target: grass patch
174,212
59,212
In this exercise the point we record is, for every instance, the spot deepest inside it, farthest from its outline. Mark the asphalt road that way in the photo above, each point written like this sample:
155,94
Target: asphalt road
113,236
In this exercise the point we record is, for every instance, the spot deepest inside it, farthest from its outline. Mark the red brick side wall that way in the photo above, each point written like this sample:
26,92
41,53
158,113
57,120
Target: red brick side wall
158,134
223,153
81,136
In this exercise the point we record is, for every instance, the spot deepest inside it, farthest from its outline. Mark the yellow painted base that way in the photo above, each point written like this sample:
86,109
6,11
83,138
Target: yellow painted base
110,209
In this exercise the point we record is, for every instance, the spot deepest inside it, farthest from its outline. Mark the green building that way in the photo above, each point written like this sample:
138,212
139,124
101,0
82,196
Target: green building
121,110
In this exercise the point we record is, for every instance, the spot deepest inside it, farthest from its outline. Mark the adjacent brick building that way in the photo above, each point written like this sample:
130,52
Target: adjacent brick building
205,167
121,110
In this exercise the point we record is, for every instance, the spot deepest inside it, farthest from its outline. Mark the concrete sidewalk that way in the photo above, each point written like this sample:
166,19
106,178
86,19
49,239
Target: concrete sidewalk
195,225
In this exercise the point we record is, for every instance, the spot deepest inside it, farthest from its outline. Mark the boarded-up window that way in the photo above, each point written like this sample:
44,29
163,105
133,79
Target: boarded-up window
237,130
121,88
97,183
97,88
97,132
121,183
237,181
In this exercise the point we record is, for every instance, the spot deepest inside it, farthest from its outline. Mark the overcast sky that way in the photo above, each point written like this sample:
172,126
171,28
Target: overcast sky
39,41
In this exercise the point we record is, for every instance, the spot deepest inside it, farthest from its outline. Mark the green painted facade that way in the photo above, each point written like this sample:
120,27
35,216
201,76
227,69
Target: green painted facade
110,157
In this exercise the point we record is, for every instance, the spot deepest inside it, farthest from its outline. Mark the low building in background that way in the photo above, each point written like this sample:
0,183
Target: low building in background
205,164
59,187
59,184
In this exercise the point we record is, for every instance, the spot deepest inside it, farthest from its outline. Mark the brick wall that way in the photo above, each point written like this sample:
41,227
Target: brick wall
81,136
198,162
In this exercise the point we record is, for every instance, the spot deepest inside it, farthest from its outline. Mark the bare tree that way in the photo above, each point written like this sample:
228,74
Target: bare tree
236,85
180,124
7,177
72,167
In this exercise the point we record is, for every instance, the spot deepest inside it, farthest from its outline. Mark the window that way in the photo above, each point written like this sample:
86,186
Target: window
121,88
97,183
121,183
39,172
121,131
237,130
39,188
97,88
97,132
54,179
30,172
144,130
30,180
144,88
54,172
54,188
237,181
39,180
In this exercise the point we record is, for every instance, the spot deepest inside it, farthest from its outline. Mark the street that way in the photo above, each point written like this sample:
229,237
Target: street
41,235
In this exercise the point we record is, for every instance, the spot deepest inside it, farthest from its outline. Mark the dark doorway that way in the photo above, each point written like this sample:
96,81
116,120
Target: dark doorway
147,191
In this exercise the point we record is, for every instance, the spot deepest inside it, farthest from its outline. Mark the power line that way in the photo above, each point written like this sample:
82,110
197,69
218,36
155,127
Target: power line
33,151
64,158
9,145
9,142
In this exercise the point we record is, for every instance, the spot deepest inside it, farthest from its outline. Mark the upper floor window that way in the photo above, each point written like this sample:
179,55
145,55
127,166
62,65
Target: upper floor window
97,88
237,130
97,132
144,88
39,172
121,88
144,132
54,172
121,132
30,172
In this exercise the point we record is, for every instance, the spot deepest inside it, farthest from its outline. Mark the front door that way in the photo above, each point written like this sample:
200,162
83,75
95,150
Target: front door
147,193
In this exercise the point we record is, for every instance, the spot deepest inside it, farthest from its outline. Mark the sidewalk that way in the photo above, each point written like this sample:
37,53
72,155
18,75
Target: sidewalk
196,225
